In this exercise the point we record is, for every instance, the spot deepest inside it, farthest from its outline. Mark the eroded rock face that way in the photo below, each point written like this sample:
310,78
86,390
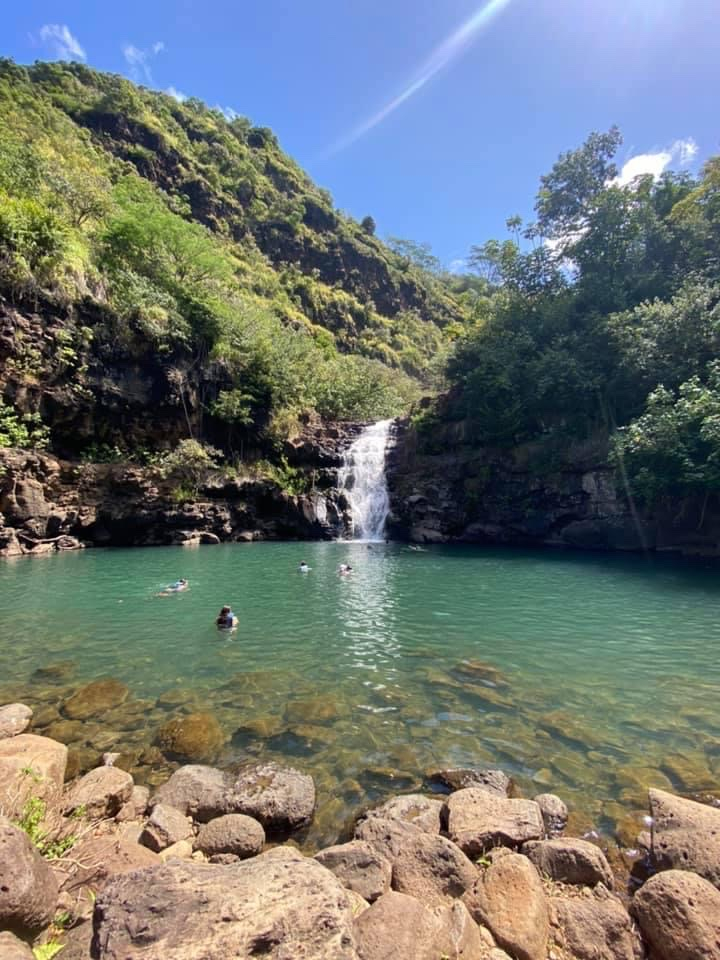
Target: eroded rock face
594,928
14,718
194,737
195,790
685,835
554,813
28,888
422,812
399,927
359,867
570,861
281,798
95,699
433,870
100,793
278,907
478,820
233,834
679,915
13,949
494,781
30,766
165,827
508,899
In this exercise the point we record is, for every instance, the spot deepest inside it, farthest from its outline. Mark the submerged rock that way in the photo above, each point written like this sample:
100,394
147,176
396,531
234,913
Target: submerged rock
95,698
28,888
494,781
195,737
277,907
14,718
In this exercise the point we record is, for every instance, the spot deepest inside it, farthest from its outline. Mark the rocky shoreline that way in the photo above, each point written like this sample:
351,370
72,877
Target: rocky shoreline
207,866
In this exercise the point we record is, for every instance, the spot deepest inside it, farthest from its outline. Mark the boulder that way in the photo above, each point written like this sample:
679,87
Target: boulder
387,837
685,835
433,870
97,859
66,731
13,949
595,927
100,793
183,850
165,827
422,812
30,766
478,820
28,888
136,806
570,861
554,813
277,907
194,737
234,833
197,791
281,798
14,718
95,699
508,899
399,927
359,867
679,916
494,781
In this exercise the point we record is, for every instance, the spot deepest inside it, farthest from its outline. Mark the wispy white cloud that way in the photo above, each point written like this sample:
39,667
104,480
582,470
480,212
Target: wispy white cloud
681,153
138,60
459,265
228,113
177,94
60,40
452,47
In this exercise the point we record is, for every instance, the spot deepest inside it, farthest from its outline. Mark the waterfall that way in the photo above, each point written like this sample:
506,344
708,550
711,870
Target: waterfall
362,480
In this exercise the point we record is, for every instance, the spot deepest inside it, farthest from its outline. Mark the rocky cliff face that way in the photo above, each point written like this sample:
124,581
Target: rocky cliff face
47,504
443,490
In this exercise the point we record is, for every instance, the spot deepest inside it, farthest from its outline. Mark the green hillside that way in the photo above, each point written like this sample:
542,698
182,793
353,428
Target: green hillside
141,233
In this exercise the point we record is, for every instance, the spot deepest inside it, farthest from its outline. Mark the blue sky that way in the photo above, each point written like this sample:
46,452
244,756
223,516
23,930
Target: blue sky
435,116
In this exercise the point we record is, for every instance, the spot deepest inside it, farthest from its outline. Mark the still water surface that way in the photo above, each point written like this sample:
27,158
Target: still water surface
588,675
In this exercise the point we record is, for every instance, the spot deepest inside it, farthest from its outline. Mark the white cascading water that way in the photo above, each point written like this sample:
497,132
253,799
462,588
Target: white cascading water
362,479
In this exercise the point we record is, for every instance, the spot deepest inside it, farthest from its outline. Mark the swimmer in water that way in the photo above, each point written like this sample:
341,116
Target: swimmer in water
171,588
344,569
304,568
226,619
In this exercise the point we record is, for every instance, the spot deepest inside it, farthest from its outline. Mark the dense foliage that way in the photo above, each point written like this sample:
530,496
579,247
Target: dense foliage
605,311
192,235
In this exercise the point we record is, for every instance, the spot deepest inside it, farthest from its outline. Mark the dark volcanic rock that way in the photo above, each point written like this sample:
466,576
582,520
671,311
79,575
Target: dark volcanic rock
494,781
281,798
195,790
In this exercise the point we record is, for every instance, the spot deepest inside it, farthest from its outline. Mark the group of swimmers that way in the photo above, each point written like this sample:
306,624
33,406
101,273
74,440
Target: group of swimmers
226,619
